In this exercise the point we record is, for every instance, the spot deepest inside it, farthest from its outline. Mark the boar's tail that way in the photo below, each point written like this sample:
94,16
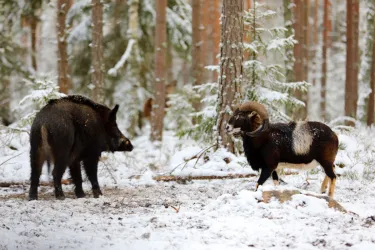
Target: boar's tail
46,148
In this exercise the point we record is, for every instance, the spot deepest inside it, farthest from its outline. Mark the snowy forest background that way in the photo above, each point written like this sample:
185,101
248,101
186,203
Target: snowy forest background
177,74
178,68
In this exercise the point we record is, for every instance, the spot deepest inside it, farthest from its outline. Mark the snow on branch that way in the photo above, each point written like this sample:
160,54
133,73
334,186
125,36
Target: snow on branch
124,57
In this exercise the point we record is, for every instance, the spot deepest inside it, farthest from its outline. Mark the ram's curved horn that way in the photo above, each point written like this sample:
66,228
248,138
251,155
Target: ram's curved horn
263,114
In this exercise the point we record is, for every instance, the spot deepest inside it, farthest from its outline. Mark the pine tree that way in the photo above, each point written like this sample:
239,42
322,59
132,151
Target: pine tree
97,50
368,62
157,115
231,70
351,83
324,61
64,79
266,81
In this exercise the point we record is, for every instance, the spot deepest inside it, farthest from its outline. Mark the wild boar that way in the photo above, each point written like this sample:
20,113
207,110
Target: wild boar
71,131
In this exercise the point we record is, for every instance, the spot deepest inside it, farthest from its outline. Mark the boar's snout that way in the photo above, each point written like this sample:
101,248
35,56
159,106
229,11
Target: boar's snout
125,144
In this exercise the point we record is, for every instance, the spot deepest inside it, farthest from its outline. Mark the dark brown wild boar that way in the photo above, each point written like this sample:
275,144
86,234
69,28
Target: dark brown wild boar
70,131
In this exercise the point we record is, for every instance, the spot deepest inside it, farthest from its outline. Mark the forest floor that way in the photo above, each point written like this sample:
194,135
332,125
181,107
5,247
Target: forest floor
216,214
137,212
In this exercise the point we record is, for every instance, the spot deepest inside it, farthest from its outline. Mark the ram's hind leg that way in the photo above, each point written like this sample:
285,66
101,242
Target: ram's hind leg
275,178
329,169
323,188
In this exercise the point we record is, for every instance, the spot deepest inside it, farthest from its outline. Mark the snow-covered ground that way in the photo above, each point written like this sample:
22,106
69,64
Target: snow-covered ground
139,213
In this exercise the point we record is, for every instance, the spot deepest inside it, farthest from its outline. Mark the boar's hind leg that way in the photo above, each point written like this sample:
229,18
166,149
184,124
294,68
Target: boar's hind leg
36,162
58,172
75,172
91,167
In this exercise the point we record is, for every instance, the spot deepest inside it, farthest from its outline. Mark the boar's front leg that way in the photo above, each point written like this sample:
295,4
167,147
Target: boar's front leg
75,172
91,167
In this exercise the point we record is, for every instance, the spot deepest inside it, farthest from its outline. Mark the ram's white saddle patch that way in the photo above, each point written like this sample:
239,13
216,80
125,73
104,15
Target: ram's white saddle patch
302,139
301,166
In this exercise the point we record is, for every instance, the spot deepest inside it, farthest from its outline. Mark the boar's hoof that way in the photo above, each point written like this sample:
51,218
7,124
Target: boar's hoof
33,197
59,195
97,193
80,194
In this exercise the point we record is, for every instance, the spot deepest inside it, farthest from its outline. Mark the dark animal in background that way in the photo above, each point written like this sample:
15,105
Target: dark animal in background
267,146
70,131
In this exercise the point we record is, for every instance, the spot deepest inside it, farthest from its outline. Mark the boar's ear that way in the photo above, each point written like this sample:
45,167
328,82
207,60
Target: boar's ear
112,114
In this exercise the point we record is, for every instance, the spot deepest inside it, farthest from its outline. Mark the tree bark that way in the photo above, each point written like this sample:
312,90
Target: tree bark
351,82
289,55
97,51
231,58
324,61
197,58
315,40
64,79
299,52
371,101
216,35
33,27
158,106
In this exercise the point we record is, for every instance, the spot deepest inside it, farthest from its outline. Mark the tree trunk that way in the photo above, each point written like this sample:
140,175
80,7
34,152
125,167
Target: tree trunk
64,79
97,51
247,37
231,58
158,106
351,82
216,35
289,55
324,61
306,35
371,104
299,25
197,58
315,38
33,27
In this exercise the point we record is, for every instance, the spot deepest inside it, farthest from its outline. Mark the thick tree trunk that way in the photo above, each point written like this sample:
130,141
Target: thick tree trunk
97,75
231,58
324,62
158,106
351,82
64,79
371,101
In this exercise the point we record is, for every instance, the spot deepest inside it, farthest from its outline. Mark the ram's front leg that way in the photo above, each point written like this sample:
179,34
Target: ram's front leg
264,175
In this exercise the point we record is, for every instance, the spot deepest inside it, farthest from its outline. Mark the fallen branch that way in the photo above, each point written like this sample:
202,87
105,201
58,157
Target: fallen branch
11,158
168,178
26,183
